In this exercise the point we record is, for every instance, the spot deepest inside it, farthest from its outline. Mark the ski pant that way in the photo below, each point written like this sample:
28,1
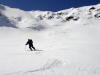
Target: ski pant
31,46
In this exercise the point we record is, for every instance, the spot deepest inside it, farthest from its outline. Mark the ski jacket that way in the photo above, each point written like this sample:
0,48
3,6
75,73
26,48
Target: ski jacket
30,42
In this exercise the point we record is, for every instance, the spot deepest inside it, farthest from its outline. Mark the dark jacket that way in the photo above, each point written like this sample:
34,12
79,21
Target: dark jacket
30,42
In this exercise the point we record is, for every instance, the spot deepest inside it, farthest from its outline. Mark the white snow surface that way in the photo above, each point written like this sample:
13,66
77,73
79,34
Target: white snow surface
66,46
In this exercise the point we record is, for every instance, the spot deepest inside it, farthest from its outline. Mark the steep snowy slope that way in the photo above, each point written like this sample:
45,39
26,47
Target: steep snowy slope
69,41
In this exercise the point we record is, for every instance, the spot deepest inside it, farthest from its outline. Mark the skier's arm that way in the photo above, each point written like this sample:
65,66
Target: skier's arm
27,43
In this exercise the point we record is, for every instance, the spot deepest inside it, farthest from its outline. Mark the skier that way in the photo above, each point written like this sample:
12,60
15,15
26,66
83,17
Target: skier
30,43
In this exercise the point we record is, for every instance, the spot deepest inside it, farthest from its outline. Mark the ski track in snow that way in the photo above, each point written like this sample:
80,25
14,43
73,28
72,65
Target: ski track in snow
57,68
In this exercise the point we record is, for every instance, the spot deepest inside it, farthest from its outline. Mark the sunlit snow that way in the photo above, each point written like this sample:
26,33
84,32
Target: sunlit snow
68,40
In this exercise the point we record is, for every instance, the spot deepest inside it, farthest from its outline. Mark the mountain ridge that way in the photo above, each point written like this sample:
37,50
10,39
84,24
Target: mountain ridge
17,18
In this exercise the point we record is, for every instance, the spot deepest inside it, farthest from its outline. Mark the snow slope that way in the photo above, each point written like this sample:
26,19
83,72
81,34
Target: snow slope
68,41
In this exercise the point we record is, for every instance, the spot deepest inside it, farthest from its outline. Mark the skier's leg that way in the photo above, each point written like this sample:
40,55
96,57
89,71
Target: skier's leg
30,48
33,47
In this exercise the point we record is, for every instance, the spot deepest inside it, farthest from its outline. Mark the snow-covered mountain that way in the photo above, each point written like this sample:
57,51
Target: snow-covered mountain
23,19
68,40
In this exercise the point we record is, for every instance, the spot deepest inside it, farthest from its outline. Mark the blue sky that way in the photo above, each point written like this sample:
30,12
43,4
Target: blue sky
49,5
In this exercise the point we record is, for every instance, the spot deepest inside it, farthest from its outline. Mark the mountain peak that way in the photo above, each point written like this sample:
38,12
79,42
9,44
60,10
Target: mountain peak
13,17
